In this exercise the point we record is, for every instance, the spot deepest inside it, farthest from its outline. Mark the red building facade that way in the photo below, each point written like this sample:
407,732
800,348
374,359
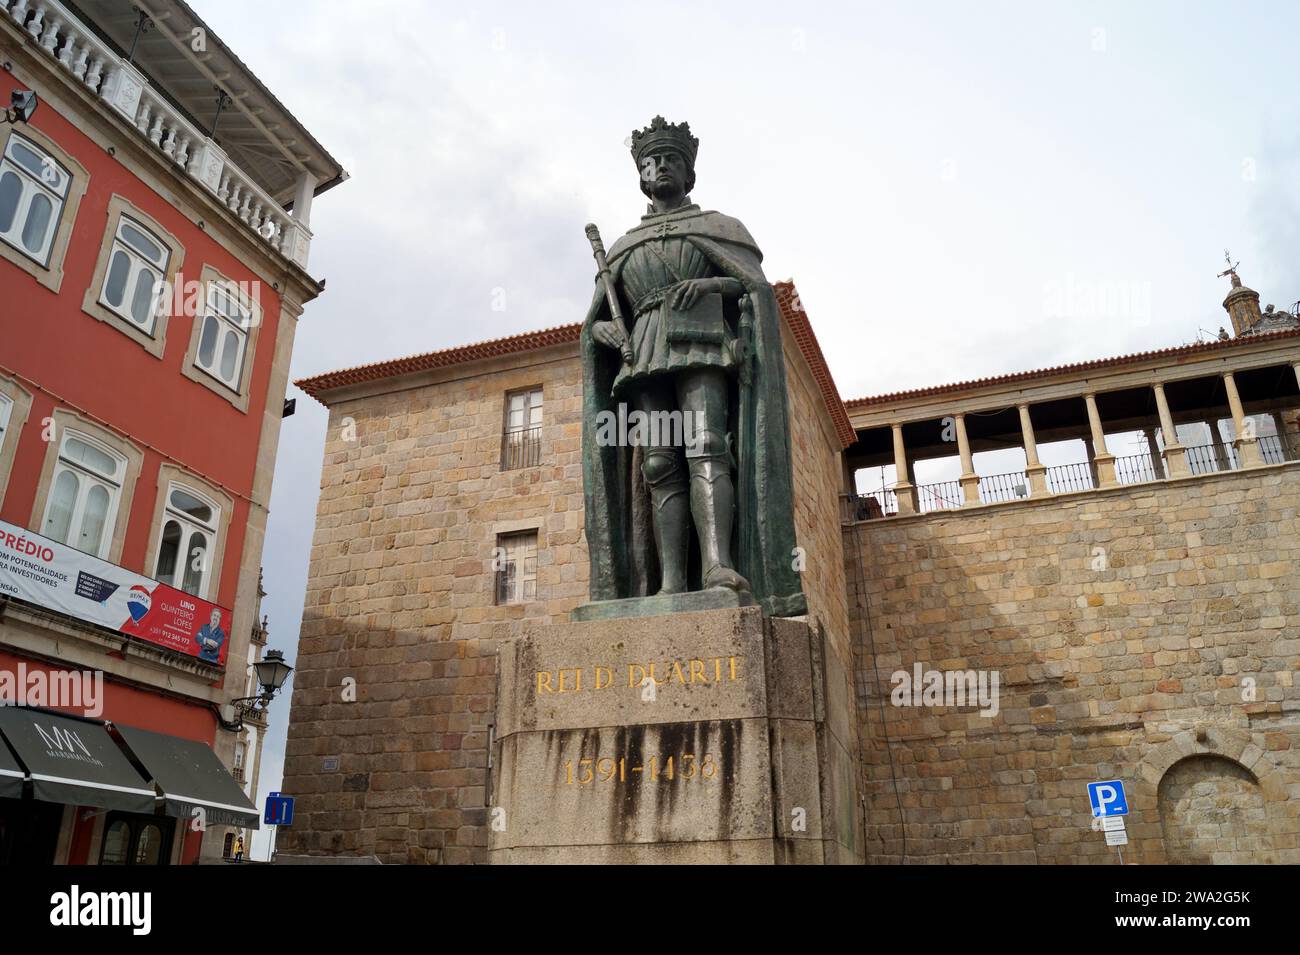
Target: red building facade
151,278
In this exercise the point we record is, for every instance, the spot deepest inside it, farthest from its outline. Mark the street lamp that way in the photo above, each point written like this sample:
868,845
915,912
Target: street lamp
272,672
22,103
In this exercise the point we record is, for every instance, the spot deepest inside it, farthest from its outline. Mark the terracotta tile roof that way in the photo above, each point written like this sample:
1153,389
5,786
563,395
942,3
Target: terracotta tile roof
796,316
493,348
786,295
1176,351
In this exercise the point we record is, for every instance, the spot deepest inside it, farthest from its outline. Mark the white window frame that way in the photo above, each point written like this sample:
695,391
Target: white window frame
530,409
521,439
52,182
139,262
86,479
237,320
189,525
514,583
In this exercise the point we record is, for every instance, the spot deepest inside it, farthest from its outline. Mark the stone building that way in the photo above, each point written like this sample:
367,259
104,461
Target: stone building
1134,608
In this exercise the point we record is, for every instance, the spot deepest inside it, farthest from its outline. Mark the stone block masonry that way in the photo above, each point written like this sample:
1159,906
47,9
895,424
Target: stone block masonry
395,688
1149,633
717,736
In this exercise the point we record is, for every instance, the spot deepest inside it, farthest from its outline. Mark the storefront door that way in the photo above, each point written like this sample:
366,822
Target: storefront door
134,839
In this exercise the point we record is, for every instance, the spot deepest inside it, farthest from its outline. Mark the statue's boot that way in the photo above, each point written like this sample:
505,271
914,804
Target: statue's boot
671,515
713,506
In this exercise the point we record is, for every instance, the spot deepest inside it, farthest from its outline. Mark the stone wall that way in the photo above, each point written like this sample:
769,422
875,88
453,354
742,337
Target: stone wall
818,480
1147,633
401,600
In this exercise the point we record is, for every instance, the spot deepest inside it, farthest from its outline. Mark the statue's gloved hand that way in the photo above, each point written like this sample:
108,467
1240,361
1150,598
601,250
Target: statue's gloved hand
610,334
686,293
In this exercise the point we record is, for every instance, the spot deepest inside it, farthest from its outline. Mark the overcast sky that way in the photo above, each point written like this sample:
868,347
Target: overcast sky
959,189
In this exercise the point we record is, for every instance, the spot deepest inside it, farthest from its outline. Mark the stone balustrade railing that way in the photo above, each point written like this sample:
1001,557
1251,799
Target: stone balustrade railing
121,86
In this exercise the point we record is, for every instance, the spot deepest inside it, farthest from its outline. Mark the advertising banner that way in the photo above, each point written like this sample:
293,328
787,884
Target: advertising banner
61,578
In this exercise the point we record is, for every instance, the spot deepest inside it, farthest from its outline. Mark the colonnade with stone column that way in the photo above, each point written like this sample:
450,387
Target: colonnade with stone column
1101,461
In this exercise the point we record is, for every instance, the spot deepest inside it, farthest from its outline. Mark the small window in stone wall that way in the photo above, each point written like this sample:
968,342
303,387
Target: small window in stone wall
521,440
515,563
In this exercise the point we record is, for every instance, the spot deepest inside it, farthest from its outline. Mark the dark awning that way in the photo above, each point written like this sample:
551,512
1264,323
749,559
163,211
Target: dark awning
11,774
74,761
190,775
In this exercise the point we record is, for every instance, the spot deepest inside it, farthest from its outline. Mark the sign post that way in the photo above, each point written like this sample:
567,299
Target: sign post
1110,805
279,810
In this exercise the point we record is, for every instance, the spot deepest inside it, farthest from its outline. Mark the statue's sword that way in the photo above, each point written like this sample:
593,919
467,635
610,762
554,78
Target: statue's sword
611,294
743,350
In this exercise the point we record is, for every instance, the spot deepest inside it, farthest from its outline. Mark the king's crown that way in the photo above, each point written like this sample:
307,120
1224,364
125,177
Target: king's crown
659,133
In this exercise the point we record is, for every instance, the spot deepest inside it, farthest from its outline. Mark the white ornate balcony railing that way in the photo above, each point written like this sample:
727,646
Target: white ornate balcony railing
124,88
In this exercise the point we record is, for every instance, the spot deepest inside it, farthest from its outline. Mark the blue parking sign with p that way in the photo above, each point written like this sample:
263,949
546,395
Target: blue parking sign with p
1107,798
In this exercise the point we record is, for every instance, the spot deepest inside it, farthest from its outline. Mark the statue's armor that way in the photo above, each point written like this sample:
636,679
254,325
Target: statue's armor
650,270
687,375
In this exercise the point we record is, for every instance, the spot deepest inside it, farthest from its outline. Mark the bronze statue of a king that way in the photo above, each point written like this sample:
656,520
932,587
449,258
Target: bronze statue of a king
683,340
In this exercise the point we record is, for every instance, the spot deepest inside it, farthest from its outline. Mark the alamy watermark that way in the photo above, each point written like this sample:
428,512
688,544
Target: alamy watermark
132,910
81,690
191,297
924,687
634,428
1078,297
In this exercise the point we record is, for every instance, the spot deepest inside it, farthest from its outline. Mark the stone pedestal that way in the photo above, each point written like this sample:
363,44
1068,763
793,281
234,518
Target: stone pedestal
713,737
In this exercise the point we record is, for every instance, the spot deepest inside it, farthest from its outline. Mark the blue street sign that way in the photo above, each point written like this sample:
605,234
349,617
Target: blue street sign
279,810
1107,798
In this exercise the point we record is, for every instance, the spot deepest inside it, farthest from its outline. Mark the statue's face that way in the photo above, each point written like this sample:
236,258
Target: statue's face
664,173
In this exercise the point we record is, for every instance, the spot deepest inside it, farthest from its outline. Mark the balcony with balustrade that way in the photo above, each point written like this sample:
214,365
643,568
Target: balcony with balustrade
156,65
1174,415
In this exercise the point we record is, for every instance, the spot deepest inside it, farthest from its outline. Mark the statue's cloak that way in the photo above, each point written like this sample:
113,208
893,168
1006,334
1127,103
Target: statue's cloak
619,533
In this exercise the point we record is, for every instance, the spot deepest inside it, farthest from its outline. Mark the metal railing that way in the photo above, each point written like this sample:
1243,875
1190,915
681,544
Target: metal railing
1274,451
521,449
1139,469
1208,458
942,496
1004,487
1064,478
